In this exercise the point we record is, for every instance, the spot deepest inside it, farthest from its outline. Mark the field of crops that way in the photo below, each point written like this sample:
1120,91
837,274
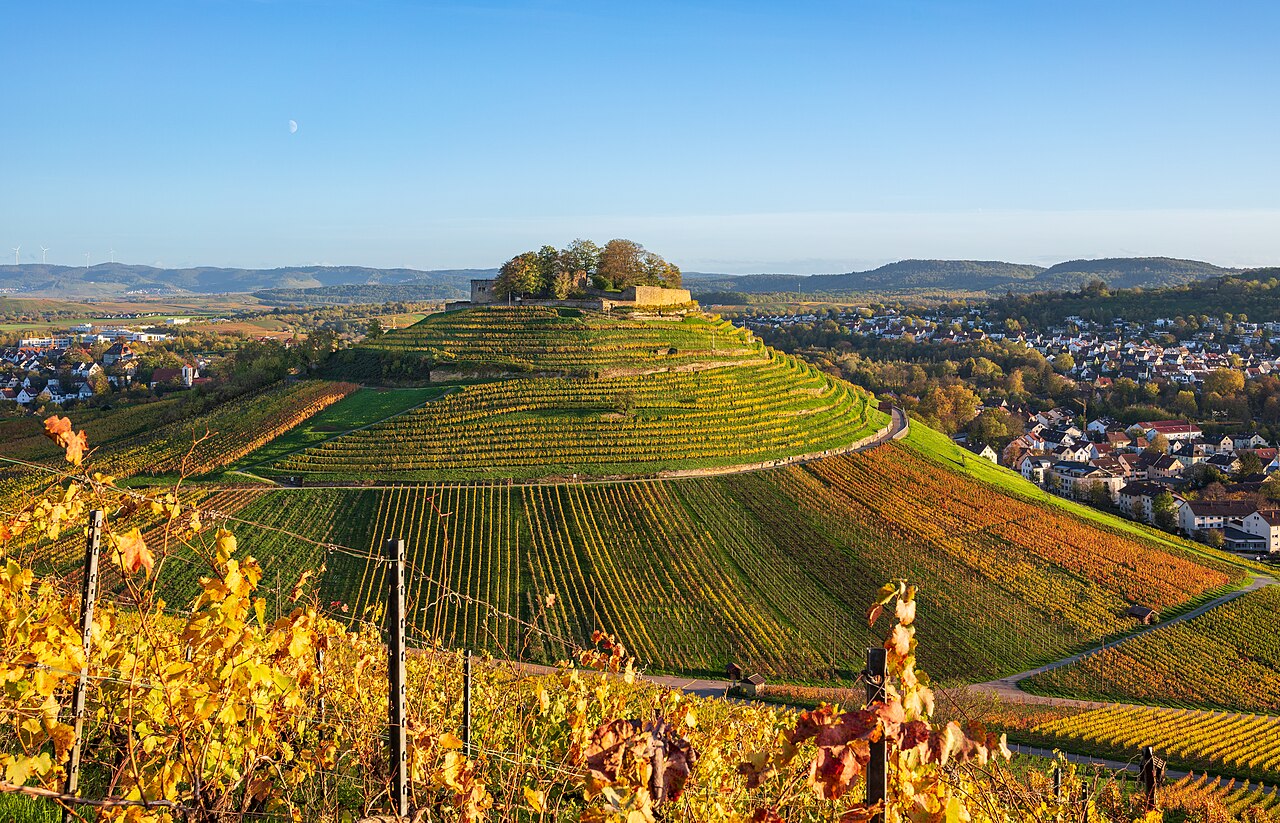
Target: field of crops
1246,746
771,569
1236,796
533,338
759,411
1227,658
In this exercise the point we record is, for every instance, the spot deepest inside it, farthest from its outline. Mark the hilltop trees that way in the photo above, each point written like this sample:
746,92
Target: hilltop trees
561,273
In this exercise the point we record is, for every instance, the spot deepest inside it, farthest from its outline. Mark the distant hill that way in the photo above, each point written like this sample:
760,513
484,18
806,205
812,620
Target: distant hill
114,279
1254,294
416,292
327,284
972,276
1130,272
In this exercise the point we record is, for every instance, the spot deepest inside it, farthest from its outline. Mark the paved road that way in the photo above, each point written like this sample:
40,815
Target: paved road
1007,687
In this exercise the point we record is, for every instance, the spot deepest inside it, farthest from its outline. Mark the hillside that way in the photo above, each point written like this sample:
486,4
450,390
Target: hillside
114,279
1255,294
313,285
1227,658
969,276
771,568
1129,272
598,396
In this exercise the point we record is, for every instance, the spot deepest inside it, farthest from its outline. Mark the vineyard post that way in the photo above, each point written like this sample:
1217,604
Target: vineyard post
89,593
1151,772
466,705
396,680
320,680
877,772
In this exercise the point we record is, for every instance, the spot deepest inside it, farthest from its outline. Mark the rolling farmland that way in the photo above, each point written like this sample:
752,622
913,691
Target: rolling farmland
1236,745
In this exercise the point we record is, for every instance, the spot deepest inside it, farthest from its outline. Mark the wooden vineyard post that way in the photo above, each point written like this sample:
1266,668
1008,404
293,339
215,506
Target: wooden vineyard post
877,772
1152,774
395,679
88,594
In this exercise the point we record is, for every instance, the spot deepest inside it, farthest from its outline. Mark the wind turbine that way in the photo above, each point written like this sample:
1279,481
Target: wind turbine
43,259
15,255
86,260
113,255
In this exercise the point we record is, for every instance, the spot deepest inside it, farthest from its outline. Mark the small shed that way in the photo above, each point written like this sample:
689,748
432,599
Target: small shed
751,686
1145,614
733,672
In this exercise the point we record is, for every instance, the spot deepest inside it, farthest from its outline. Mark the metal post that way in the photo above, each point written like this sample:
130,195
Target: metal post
320,680
396,680
877,769
466,705
89,593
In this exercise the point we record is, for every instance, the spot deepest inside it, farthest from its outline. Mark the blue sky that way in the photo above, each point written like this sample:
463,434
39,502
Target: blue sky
728,136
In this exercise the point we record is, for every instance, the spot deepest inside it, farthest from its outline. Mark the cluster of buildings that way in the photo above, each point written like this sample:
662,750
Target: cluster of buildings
60,369
1129,467
1100,354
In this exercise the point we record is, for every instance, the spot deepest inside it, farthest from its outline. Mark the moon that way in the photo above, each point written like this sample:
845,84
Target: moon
293,126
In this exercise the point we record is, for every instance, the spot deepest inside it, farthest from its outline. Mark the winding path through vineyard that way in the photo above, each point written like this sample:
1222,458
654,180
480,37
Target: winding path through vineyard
1007,687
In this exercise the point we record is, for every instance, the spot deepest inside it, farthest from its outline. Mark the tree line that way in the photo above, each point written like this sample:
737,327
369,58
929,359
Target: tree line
564,273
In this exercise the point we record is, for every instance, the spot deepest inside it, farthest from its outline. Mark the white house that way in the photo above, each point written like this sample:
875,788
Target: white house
1035,467
1199,515
1078,480
1264,524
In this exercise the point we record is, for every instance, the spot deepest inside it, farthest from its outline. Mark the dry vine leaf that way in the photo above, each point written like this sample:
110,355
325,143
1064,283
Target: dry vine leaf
134,554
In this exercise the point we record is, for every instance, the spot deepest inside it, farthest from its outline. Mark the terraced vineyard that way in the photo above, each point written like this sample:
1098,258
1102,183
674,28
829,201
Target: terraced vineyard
143,440
535,338
770,569
756,411
1227,658
1246,746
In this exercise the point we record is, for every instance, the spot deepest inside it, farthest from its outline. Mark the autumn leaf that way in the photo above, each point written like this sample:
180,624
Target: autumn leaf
535,799
75,445
899,641
58,429
226,545
55,428
134,554
906,612
836,767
